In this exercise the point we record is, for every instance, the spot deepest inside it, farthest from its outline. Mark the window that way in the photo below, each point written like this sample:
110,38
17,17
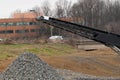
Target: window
6,32
32,23
10,24
2,32
26,30
21,31
26,23
34,30
9,31
18,23
3,24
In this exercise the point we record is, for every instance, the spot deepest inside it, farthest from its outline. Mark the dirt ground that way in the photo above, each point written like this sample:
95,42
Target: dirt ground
102,62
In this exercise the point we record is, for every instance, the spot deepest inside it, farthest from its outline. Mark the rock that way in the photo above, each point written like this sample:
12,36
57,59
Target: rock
29,67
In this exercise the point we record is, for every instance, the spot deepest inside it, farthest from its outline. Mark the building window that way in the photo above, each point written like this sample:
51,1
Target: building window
3,24
9,31
10,24
26,31
18,23
2,32
21,31
26,23
6,32
32,23
34,30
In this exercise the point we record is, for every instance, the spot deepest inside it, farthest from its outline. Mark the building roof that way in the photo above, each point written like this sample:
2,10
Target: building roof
26,15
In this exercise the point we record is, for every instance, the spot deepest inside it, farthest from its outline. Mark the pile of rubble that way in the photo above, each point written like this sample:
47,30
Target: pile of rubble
29,67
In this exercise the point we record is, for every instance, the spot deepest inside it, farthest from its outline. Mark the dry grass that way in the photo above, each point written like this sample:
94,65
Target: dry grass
94,64
102,62
9,52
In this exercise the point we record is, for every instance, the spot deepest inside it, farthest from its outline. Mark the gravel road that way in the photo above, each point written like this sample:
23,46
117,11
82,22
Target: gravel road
70,75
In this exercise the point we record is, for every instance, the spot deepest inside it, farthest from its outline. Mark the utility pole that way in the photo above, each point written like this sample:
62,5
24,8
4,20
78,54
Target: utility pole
51,30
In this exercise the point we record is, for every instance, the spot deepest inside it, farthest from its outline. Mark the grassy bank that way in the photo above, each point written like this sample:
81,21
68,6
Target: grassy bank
8,51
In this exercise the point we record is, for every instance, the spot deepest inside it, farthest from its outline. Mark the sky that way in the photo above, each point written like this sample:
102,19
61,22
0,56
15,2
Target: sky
9,6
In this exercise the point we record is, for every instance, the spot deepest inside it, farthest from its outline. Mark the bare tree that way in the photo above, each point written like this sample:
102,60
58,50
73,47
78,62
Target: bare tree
63,8
112,16
46,8
38,10
90,10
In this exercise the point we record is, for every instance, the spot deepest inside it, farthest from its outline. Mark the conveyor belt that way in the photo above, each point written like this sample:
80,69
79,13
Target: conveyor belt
109,39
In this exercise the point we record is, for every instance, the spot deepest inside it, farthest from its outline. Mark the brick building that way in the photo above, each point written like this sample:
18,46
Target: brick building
22,25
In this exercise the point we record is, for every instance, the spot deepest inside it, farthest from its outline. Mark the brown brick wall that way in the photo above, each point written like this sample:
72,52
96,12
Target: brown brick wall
14,28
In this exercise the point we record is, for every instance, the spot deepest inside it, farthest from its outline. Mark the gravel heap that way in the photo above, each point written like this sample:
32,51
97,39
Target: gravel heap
29,67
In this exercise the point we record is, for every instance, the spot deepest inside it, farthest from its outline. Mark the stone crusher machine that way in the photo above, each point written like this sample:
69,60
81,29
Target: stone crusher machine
109,39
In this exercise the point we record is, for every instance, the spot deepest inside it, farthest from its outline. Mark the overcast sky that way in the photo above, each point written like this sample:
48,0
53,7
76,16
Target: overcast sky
9,6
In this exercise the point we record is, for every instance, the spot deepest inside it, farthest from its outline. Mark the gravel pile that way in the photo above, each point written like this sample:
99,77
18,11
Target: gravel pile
29,67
